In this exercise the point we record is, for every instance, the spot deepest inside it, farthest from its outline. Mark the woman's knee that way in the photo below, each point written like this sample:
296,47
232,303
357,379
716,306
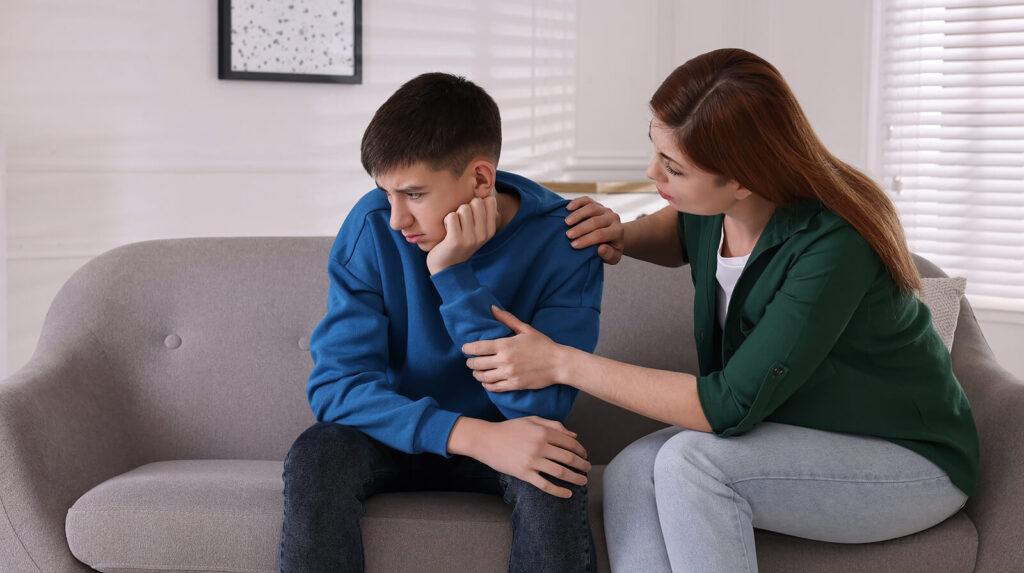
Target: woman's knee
635,463
690,453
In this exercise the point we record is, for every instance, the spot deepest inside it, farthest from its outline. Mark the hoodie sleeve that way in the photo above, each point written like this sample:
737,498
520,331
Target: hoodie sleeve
349,383
569,315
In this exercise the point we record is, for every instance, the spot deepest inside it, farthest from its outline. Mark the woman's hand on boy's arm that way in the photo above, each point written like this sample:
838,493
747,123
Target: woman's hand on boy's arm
528,360
523,448
466,230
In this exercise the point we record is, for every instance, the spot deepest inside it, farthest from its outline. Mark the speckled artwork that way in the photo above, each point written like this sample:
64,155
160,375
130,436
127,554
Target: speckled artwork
294,37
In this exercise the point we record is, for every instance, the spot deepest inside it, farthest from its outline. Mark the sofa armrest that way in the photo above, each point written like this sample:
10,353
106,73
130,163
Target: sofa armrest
997,401
60,435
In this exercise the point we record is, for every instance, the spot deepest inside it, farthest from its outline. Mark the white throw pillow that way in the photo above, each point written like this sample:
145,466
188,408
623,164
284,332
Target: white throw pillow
942,295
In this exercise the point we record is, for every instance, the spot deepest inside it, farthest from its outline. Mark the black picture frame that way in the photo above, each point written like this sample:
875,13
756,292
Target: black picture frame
295,34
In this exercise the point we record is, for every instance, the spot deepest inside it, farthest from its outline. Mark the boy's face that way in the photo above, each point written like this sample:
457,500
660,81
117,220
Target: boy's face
421,197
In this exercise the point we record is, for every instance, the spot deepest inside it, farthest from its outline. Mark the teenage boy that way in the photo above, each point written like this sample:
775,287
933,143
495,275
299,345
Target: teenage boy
414,272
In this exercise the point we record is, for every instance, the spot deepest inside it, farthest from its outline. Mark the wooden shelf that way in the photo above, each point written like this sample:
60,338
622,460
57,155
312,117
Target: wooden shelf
590,187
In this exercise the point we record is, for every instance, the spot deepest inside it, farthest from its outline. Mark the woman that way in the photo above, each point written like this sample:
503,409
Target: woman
825,406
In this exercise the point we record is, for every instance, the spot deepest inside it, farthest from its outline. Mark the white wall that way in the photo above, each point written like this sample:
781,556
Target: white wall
627,48
119,131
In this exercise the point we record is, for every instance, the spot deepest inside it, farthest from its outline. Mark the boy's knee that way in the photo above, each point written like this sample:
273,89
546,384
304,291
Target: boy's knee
325,448
525,496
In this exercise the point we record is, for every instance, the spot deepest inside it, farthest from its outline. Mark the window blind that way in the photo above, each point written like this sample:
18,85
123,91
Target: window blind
951,111
523,52
533,78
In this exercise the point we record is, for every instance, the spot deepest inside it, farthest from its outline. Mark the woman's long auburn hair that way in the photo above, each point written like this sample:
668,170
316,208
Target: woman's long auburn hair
734,115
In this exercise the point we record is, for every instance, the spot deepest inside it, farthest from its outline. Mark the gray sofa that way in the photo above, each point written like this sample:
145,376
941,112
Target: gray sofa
147,431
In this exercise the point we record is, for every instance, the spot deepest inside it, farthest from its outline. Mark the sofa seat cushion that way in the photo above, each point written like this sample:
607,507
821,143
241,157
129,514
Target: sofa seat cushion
187,515
225,516
949,547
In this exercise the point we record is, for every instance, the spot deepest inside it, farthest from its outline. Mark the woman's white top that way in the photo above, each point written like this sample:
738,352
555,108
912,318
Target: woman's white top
729,270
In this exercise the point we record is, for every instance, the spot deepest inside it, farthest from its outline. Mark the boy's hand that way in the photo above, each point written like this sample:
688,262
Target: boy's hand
466,230
592,223
523,448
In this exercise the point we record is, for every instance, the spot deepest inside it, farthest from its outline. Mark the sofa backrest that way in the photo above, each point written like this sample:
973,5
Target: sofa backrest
646,320
206,341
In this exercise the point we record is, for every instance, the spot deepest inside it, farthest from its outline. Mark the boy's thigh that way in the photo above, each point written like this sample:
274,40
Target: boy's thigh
329,453
459,473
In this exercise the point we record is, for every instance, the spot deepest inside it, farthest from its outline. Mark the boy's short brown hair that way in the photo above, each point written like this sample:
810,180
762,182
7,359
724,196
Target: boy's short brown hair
441,119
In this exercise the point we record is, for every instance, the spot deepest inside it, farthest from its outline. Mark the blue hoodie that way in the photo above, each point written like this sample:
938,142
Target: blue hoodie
387,356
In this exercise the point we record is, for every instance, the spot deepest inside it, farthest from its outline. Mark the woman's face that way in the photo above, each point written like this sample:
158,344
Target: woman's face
686,187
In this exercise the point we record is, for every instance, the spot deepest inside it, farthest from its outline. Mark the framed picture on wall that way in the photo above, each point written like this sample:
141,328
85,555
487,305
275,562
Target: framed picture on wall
290,40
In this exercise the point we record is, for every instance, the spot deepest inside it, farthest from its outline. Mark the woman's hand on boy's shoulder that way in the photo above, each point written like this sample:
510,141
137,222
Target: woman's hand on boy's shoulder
594,224
466,230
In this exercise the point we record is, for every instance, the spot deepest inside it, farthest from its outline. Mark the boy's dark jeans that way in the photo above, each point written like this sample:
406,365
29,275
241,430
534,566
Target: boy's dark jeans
332,468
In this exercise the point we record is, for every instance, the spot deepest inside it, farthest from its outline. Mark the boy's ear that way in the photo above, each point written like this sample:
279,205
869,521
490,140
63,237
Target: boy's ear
484,175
